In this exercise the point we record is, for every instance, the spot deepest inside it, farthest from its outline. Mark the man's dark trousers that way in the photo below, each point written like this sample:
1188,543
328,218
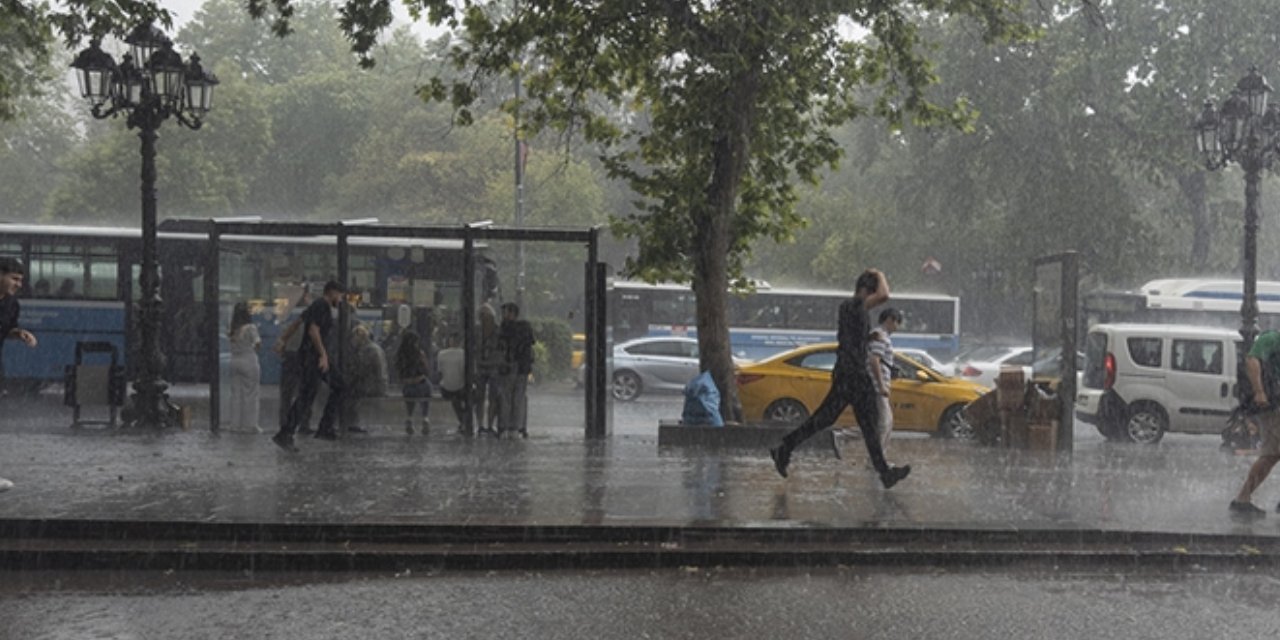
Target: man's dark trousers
311,379
290,382
846,390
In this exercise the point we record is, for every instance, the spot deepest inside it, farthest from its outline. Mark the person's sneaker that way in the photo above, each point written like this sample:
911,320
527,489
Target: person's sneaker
524,433
894,474
781,458
284,442
306,431
835,444
426,424
326,434
5,485
1246,510
408,427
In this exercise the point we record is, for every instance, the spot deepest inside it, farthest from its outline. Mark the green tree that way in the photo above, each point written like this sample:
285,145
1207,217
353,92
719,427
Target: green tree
200,173
29,34
712,179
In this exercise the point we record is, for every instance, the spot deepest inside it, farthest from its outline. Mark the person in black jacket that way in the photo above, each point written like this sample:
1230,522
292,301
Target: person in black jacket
12,273
851,383
316,366
515,343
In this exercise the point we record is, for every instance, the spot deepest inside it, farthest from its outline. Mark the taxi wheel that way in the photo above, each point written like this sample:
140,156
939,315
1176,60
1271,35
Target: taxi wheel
786,410
1147,423
626,386
954,426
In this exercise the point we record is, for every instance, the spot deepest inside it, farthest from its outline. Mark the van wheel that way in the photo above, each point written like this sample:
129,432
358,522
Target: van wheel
1147,423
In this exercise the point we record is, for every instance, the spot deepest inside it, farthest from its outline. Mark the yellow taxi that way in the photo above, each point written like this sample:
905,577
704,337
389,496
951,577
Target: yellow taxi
789,386
579,347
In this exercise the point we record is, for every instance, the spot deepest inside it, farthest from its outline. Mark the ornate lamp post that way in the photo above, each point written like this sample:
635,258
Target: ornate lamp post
1245,131
149,85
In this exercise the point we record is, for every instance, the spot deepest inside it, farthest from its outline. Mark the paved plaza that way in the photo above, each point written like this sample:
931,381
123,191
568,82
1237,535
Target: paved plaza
556,478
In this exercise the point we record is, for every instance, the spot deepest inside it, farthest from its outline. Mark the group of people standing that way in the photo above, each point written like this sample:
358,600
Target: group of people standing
498,392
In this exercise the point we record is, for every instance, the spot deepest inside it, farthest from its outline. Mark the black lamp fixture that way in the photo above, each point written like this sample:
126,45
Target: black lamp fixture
150,85
1246,131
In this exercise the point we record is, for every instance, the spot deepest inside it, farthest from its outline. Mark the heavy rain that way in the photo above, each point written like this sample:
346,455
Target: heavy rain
601,319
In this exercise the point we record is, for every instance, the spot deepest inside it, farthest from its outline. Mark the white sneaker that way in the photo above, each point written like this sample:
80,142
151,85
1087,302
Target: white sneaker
5,485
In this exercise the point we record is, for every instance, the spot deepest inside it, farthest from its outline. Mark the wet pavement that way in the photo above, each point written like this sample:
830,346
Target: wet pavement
554,478
705,604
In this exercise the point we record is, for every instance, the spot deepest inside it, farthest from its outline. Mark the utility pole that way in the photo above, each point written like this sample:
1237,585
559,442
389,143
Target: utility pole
519,167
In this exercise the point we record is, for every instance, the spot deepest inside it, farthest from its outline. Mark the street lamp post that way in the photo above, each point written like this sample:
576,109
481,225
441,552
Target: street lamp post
150,84
1245,131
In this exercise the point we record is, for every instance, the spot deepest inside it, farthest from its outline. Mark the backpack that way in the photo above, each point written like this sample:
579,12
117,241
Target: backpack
1244,387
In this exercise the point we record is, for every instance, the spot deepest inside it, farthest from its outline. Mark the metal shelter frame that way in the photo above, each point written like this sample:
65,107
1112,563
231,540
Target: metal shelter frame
1068,332
594,283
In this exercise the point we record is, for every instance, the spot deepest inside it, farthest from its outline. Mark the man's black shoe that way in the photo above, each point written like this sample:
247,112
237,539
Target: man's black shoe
357,429
284,442
894,474
1246,510
781,458
524,433
306,431
326,434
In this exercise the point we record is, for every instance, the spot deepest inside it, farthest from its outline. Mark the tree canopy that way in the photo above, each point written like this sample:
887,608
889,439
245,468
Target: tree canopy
710,111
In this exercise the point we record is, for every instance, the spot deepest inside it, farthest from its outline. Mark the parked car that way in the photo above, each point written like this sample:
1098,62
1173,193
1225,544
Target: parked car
1143,380
982,365
646,365
790,386
579,350
923,357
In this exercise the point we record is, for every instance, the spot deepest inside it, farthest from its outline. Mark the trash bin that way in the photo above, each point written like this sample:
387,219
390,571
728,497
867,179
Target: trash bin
95,381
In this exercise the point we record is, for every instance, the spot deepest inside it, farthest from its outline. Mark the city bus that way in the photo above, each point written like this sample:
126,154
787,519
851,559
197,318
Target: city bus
1194,301
771,320
79,277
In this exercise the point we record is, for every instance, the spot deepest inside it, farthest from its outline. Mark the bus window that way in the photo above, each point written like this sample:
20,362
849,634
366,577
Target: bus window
59,271
926,316
362,269
104,274
812,313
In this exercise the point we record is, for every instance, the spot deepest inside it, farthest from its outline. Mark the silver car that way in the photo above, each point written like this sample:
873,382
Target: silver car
653,364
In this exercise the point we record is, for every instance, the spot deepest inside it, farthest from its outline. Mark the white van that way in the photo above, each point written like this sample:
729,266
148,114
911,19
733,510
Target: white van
1141,380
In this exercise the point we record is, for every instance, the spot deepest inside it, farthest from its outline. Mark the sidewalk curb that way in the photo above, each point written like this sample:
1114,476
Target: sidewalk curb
39,545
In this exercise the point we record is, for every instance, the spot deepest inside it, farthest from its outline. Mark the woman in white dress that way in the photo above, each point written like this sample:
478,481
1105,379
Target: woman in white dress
246,373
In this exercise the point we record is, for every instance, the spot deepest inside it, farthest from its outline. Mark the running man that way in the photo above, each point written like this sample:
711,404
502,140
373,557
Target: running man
851,383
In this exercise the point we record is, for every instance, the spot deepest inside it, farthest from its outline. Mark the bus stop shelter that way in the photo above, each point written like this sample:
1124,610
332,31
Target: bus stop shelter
220,233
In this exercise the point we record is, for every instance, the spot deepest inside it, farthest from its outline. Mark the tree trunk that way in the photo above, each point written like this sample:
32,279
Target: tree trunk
713,233
1192,186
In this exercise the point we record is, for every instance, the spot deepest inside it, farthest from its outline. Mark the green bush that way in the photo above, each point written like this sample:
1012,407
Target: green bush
554,351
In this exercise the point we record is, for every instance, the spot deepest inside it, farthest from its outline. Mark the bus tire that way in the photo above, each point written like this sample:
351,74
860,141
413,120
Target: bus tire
626,385
786,410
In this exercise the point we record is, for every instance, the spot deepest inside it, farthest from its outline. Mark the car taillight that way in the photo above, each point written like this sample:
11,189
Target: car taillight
1109,366
748,378
971,371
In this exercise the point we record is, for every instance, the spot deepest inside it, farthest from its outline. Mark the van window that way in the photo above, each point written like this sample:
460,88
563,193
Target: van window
1145,351
1197,356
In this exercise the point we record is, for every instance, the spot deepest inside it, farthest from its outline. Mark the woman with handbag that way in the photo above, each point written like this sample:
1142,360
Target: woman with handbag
413,369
